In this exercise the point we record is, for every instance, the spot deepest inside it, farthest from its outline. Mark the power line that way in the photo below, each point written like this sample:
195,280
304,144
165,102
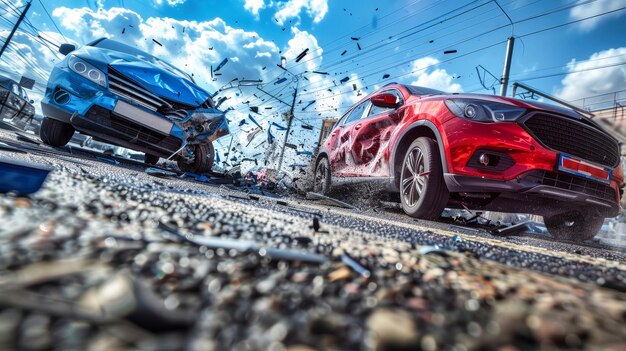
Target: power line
52,19
398,39
476,36
552,11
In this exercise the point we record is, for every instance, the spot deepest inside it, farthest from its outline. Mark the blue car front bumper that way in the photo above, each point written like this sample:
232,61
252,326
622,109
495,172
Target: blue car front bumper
123,119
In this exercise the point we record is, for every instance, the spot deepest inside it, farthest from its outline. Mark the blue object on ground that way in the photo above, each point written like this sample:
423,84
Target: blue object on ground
20,177
108,160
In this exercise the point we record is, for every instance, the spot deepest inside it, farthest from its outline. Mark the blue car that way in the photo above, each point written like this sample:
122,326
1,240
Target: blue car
126,97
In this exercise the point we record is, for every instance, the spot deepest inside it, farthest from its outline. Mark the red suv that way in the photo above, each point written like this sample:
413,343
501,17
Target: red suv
483,152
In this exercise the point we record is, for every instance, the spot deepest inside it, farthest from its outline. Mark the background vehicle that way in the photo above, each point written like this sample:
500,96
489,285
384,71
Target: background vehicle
121,95
14,103
480,151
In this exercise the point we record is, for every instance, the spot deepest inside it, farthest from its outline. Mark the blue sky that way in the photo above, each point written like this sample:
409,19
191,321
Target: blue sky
405,39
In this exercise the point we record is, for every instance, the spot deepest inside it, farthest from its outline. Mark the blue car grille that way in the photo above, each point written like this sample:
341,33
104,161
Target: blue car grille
139,134
122,86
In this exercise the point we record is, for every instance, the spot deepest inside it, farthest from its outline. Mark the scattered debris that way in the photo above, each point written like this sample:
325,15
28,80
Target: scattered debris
302,54
28,138
519,228
356,266
224,61
160,173
330,200
426,250
108,160
7,147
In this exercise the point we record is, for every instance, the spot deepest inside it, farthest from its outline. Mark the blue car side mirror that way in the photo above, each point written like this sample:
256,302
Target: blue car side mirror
65,49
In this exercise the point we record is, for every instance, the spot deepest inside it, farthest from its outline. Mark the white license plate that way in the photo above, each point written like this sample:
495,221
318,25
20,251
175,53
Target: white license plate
142,117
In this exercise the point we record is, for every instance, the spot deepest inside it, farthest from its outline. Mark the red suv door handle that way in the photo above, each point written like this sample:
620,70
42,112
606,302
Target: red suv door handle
358,126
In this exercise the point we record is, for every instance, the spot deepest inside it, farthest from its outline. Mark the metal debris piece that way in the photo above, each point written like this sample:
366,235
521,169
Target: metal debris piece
108,160
292,255
344,52
21,177
308,105
7,126
7,147
160,173
330,200
356,266
450,52
224,61
344,79
158,43
302,54
27,138
247,246
322,73
518,228
385,76
254,120
426,250
316,224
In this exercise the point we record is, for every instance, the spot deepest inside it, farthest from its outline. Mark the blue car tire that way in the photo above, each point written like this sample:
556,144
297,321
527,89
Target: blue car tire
203,163
55,133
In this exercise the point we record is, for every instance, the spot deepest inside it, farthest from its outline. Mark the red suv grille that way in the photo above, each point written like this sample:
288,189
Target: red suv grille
574,138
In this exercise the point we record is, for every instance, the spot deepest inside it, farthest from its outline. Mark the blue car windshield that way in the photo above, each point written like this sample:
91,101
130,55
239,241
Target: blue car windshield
117,46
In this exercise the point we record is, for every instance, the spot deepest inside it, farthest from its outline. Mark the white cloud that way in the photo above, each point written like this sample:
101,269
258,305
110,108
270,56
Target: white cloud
425,75
316,9
590,81
170,2
595,8
254,6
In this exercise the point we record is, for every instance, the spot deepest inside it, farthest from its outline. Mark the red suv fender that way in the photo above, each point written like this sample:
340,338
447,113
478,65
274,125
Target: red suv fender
415,130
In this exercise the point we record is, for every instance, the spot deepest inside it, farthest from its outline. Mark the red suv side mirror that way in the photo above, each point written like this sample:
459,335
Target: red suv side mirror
385,100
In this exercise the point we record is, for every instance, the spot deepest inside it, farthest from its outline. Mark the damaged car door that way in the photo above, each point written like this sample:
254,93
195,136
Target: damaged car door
342,156
372,132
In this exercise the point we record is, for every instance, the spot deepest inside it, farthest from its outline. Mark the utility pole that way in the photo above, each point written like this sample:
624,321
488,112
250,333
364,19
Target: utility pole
507,65
282,151
17,24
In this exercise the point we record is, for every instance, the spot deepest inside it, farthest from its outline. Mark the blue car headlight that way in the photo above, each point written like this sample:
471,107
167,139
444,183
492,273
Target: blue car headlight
484,111
87,70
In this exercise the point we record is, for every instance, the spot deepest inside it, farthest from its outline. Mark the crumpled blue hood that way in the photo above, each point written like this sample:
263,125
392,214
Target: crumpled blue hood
149,72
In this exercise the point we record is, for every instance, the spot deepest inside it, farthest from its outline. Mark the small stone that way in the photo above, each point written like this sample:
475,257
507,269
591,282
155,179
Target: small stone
391,329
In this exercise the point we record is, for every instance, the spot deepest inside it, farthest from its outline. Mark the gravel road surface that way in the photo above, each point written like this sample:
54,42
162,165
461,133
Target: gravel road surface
107,257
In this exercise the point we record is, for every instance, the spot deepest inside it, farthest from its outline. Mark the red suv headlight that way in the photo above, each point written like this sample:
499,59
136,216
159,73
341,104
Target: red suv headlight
484,111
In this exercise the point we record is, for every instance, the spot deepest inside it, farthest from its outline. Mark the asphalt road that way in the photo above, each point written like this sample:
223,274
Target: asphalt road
116,258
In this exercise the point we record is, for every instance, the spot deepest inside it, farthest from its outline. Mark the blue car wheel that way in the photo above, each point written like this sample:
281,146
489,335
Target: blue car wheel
203,160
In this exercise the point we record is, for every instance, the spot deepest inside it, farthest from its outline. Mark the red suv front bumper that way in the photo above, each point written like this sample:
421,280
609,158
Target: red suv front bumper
525,169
